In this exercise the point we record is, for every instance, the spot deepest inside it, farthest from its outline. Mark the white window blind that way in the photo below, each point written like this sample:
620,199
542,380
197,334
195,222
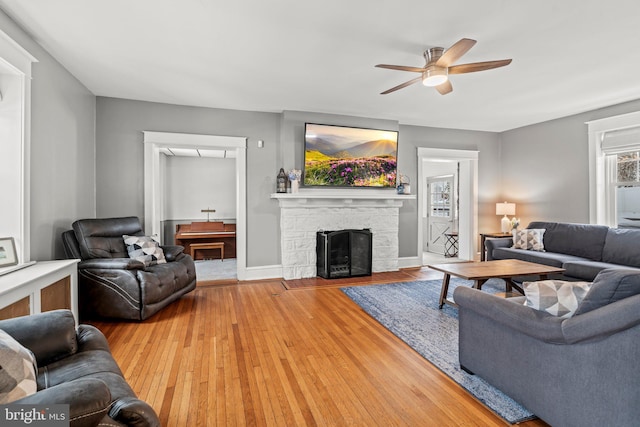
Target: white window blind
621,140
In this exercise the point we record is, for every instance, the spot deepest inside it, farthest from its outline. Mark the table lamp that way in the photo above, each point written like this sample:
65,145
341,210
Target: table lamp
505,209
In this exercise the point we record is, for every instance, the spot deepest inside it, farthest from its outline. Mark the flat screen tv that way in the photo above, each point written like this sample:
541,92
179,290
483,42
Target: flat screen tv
339,156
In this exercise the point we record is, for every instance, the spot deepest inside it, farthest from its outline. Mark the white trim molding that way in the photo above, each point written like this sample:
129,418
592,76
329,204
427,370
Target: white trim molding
15,136
154,184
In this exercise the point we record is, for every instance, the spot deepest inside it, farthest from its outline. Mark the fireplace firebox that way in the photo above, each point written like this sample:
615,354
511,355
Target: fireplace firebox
344,253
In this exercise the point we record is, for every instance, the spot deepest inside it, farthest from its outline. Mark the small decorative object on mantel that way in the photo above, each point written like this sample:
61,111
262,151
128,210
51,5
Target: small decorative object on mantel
208,211
294,178
406,185
8,255
281,182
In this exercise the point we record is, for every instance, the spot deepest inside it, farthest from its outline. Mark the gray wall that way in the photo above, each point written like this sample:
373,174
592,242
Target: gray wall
546,166
62,148
211,186
120,161
486,143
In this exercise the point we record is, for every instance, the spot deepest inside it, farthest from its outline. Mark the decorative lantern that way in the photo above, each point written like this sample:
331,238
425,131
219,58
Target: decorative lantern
281,181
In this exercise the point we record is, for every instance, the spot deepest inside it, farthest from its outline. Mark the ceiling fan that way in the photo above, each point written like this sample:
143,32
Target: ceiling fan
439,65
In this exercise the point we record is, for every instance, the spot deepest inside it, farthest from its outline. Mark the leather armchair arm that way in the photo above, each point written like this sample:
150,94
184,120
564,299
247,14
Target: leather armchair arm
134,412
50,335
88,400
171,252
501,242
111,263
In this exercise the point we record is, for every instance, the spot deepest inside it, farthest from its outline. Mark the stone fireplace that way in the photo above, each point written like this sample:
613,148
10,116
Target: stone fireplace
304,213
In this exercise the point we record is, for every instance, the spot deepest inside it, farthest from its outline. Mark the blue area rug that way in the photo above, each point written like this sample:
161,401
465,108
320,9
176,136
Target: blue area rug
410,311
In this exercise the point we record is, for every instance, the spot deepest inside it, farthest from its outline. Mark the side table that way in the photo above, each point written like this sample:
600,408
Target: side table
451,244
485,236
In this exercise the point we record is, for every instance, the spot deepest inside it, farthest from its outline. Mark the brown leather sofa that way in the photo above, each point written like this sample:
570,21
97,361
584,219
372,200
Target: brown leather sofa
76,368
112,285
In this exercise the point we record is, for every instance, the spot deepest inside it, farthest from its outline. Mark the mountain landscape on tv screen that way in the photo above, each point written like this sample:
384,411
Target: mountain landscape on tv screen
344,161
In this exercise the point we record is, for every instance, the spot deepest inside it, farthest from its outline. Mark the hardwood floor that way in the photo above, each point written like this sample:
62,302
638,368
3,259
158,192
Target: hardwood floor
257,353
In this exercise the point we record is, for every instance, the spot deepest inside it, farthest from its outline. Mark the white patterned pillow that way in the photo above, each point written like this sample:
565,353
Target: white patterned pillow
17,370
529,239
144,249
556,297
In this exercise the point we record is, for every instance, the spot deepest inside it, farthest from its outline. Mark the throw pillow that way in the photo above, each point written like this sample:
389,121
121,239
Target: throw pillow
17,370
529,239
144,249
557,297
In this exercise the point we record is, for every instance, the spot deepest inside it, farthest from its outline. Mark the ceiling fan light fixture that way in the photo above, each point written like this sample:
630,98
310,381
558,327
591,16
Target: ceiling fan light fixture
434,76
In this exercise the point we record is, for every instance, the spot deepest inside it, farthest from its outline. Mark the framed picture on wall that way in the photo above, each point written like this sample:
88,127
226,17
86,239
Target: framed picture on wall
8,255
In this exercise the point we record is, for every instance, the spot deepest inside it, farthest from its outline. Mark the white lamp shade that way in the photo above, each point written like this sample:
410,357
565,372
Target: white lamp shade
505,208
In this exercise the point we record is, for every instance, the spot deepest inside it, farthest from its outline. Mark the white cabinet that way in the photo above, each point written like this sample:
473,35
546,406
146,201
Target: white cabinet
44,286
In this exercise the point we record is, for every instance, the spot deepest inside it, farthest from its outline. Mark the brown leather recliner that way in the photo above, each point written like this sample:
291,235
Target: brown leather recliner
112,285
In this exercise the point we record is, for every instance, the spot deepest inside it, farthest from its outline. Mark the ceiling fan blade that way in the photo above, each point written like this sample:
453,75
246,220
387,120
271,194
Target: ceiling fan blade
403,85
478,66
454,53
444,88
401,68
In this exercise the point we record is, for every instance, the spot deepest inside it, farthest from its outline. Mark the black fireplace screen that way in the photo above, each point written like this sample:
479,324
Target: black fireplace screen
344,253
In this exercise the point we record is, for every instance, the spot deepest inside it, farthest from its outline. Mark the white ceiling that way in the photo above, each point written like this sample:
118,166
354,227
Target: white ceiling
569,56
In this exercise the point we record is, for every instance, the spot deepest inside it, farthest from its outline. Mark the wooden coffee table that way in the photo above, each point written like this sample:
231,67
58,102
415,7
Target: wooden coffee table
480,272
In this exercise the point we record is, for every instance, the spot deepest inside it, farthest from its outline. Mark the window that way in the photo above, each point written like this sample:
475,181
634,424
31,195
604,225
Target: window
627,194
614,145
628,172
440,198
15,95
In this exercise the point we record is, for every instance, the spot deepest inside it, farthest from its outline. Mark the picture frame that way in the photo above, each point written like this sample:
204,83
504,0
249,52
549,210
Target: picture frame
347,156
8,254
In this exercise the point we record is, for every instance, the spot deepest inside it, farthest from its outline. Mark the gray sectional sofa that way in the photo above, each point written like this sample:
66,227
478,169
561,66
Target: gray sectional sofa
583,250
577,372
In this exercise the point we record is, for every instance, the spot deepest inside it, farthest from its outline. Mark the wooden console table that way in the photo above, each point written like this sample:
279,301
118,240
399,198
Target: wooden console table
44,286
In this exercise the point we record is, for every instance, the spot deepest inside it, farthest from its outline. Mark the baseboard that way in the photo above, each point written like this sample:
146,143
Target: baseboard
275,271
408,262
262,272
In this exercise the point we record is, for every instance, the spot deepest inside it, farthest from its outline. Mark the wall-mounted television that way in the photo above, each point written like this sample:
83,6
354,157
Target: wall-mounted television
339,156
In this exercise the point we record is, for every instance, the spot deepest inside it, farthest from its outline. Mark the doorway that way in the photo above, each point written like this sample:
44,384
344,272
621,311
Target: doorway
466,162
154,186
440,212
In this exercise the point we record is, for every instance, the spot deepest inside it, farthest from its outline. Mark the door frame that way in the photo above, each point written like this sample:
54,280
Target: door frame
468,211
154,181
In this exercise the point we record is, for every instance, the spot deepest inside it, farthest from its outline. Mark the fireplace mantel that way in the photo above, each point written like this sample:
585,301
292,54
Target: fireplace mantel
308,211
334,197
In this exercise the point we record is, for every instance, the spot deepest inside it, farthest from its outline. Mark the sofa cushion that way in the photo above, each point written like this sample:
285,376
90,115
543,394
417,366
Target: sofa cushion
556,297
622,247
547,258
530,239
144,249
609,286
581,240
17,370
588,270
